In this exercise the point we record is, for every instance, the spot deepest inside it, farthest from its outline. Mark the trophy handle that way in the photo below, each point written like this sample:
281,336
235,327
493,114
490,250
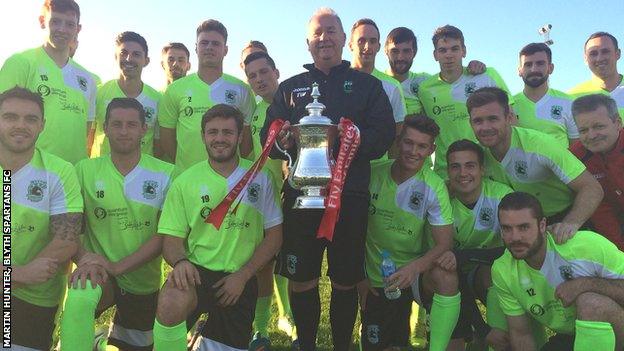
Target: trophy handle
290,161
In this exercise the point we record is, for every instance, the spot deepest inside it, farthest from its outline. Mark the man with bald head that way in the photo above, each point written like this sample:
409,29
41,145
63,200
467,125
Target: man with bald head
346,93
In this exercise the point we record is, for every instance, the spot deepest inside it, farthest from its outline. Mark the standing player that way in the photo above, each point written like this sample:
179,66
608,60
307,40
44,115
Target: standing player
576,289
131,56
175,61
531,161
214,269
601,149
123,194
601,55
262,75
68,90
46,218
188,98
444,95
360,97
538,106
405,196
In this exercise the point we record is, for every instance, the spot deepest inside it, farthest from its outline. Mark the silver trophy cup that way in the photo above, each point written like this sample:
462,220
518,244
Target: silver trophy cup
315,136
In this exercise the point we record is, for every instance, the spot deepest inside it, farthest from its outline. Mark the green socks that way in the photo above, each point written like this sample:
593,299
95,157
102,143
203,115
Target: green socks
443,318
592,335
283,302
78,321
169,338
263,314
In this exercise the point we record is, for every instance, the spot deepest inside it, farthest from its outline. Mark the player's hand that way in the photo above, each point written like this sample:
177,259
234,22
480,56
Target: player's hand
285,138
563,231
37,271
403,277
498,339
93,272
475,67
447,261
230,288
569,290
364,288
184,275
93,258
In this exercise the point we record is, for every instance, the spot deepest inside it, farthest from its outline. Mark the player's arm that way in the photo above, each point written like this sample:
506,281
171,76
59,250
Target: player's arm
475,67
168,142
520,336
231,286
147,252
569,290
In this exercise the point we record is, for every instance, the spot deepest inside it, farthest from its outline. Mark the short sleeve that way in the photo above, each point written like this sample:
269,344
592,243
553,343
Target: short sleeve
508,303
65,195
562,162
168,109
440,211
271,209
14,72
173,220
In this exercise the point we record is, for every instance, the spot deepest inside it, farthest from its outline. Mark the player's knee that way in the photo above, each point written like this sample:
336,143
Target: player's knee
303,286
482,280
592,306
174,305
444,281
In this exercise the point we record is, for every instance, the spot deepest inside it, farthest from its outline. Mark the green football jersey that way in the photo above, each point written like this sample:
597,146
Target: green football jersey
148,98
446,104
185,102
537,164
594,86
478,227
199,190
121,214
410,88
44,187
398,214
273,167
68,96
524,290
552,115
395,94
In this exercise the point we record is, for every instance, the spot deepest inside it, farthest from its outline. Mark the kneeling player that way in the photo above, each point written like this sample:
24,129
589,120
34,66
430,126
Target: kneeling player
404,197
123,194
214,269
576,288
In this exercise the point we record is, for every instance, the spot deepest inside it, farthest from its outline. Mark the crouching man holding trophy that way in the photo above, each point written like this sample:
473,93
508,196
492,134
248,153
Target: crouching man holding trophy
332,166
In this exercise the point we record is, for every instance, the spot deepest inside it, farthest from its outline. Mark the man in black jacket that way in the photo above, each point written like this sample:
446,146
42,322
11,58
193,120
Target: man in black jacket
357,96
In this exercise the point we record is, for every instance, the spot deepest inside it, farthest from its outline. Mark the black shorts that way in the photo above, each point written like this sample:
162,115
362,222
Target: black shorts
385,323
559,342
230,326
31,325
133,321
302,253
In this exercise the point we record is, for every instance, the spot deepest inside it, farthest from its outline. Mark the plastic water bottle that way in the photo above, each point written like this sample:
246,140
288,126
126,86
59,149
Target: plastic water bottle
387,269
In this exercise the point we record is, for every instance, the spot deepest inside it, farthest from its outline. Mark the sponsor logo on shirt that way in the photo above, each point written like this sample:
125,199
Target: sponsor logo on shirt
149,189
99,213
372,333
205,211
253,192
36,189
43,90
485,216
556,111
188,111
230,96
416,200
414,87
537,310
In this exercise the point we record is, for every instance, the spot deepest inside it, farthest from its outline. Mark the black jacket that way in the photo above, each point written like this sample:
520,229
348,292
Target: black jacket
345,93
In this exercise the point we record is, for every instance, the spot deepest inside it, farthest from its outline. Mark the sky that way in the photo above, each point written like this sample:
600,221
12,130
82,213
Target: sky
494,31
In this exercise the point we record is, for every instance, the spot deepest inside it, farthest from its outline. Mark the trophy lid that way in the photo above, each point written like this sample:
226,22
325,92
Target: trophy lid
315,108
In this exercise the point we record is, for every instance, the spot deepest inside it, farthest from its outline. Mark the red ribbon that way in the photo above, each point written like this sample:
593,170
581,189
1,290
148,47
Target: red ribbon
217,215
349,143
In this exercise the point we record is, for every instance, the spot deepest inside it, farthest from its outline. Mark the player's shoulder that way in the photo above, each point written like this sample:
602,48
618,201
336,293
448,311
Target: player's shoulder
496,189
50,162
559,94
386,78
233,80
503,264
584,241
534,140
157,165
185,82
29,55
582,88
150,91
107,87
83,73
381,166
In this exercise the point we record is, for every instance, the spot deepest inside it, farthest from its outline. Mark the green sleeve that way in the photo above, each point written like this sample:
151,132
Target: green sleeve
508,303
173,220
14,72
168,109
67,198
562,162
440,212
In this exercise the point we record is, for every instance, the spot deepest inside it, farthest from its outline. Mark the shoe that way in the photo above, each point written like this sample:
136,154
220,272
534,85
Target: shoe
101,339
260,343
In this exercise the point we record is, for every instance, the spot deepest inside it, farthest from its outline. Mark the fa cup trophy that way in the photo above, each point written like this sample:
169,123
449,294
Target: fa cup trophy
315,136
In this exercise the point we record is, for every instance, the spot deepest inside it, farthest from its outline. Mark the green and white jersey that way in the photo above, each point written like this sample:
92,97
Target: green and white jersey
68,96
185,102
44,187
522,289
148,98
410,88
200,189
398,214
446,104
552,115
594,86
273,167
121,214
395,94
535,163
478,227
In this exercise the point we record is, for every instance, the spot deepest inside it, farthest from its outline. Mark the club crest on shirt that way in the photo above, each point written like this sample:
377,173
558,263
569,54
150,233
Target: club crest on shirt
36,189
230,96
372,333
566,272
555,111
416,199
82,82
348,86
253,192
521,168
149,114
486,215
470,88
414,87
149,189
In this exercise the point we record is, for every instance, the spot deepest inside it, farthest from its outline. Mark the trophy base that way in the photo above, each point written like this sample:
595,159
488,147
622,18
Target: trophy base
309,202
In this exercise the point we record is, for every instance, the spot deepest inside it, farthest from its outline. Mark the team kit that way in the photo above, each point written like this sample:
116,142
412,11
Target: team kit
443,200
